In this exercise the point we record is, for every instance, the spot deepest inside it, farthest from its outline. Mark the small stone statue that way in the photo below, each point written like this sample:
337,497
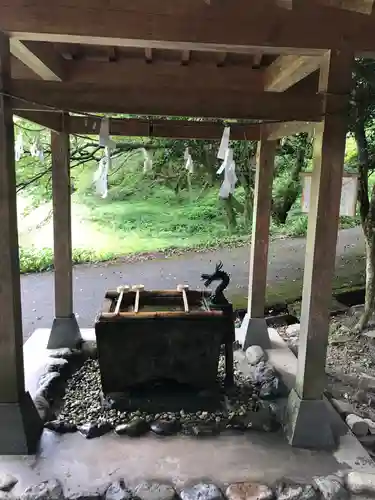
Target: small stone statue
217,298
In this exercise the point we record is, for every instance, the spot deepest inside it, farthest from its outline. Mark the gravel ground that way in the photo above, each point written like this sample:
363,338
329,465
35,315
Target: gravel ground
350,364
83,402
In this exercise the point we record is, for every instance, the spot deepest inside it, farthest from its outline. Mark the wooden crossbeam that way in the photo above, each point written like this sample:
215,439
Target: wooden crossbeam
165,73
253,25
274,131
40,57
53,121
171,102
134,127
288,70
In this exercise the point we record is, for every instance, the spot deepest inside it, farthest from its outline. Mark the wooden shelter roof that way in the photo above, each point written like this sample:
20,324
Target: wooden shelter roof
238,59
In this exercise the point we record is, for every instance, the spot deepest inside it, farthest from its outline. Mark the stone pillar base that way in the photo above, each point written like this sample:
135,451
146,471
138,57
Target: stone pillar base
20,427
254,331
64,333
307,423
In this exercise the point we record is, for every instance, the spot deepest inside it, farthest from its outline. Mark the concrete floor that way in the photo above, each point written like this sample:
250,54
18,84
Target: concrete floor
83,464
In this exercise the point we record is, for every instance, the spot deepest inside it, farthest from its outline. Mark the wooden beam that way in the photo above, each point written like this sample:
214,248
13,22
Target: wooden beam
274,131
163,74
305,401
65,331
17,409
257,59
40,57
286,71
177,129
11,354
254,25
53,121
172,102
254,322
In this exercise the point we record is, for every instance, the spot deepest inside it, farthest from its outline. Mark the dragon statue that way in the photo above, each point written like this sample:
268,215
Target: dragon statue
217,298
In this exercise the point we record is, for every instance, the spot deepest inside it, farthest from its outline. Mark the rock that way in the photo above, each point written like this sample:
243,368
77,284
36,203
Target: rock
357,425
89,349
57,365
360,483
118,491
273,388
294,491
7,495
293,330
63,352
48,383
152,490
94,430
342,406
202,491
238,423
262,420
7,482
205,429
262,372
135,428
248,491
60,426
165,427
255,354
368,441
371,425
47,490
84,495
42,406
331,487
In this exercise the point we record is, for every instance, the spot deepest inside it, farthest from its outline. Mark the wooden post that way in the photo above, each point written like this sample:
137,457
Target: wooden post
254,328
20,426
65,331
308,424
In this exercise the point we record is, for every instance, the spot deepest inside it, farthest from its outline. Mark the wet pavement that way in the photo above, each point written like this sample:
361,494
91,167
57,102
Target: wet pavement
285,274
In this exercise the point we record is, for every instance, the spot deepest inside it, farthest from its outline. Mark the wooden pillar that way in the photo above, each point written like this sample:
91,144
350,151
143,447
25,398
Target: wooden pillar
308,424
20,426
65,331
254,329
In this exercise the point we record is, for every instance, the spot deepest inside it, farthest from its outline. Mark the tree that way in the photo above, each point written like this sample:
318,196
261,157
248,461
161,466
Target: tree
362,127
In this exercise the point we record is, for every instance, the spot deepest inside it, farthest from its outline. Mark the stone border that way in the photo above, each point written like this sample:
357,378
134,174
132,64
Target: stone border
61,364
336,486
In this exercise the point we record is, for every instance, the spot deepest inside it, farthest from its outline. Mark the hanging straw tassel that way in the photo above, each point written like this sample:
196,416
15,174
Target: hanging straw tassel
224,144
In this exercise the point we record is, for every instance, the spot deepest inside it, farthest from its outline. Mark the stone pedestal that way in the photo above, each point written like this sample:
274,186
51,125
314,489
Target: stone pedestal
20,427
307,423
254,331
64,333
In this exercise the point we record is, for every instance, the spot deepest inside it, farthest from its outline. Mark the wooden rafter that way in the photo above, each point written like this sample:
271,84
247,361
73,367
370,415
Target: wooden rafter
257,59
286,71
148,54
174,102
185,57
221,59
253,25
40,57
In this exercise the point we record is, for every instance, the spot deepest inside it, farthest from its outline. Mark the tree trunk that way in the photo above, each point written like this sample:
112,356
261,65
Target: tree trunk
367,213
370,281
230,213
